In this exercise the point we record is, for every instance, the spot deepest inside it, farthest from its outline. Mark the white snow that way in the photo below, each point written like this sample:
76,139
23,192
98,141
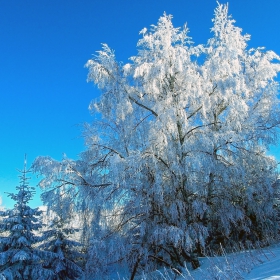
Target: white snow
268,270
255,265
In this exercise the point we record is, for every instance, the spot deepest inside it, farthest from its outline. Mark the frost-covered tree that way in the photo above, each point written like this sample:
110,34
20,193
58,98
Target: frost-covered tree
66,260
58,238
19,257
177,152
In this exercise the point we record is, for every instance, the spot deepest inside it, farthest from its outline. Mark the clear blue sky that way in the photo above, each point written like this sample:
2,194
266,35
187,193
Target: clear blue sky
43,48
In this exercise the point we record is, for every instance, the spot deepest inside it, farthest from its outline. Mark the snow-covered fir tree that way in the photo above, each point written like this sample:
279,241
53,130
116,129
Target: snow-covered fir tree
19,257
58,238
178,159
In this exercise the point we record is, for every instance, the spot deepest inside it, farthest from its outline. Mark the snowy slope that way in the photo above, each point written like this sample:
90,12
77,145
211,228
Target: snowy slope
254,265
268,270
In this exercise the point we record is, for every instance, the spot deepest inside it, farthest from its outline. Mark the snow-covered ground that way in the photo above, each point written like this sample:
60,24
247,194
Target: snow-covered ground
253,265
270,269
261,264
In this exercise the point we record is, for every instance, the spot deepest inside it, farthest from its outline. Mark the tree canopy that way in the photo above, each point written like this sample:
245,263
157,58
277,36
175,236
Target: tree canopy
176,160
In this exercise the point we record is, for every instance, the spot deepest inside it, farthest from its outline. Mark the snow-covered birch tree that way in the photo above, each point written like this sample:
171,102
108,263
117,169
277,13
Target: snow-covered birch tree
178,157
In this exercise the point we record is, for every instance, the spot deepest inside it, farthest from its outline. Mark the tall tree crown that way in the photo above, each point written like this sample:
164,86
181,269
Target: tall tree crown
176,156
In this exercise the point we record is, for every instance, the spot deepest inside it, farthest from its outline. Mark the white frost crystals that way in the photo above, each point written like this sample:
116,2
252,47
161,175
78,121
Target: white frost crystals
178,157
